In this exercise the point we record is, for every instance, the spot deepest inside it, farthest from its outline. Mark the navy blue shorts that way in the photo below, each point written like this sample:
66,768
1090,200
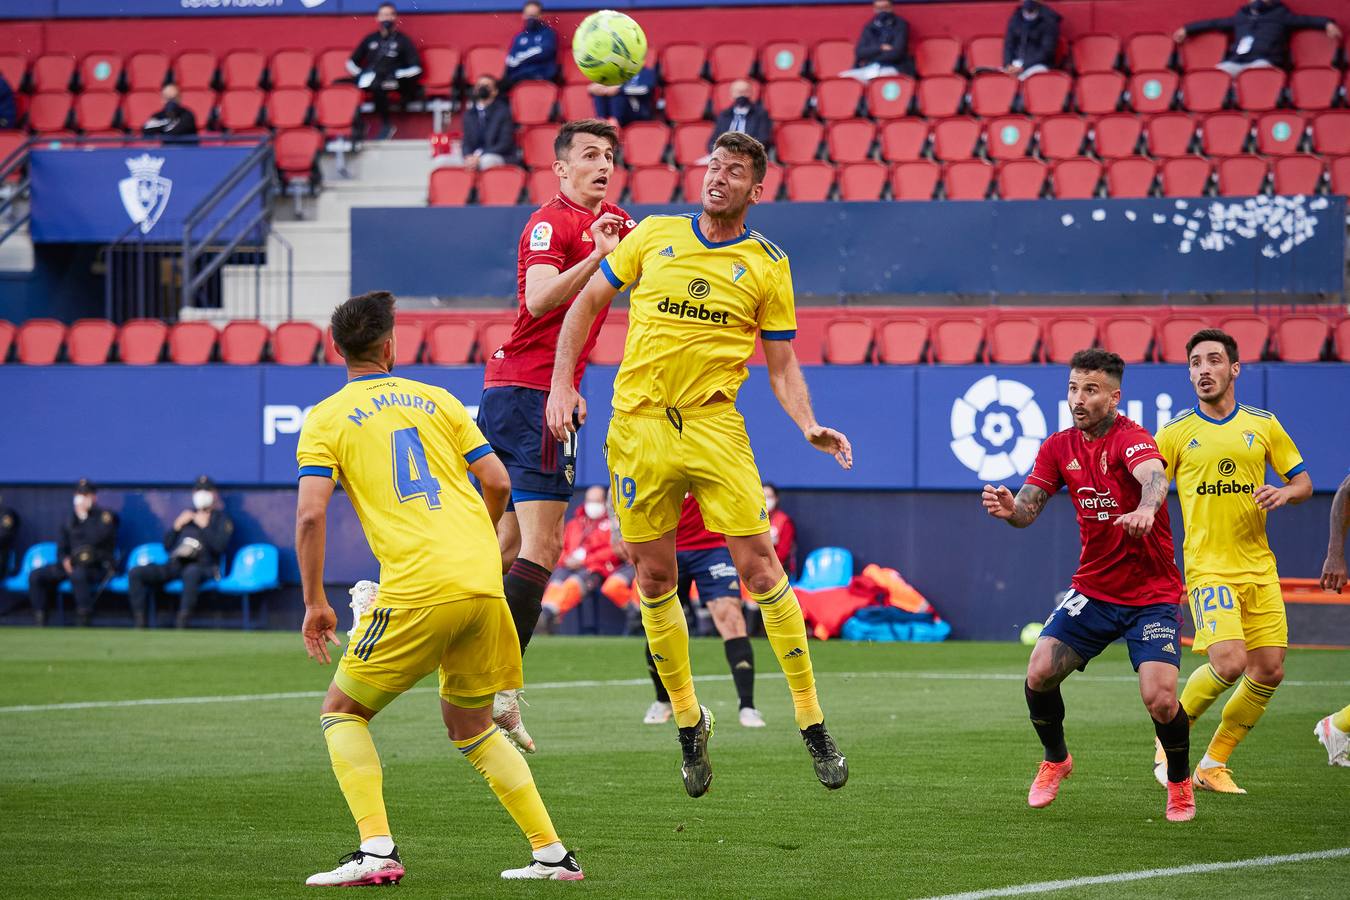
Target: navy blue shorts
1087,626
512,420
713,572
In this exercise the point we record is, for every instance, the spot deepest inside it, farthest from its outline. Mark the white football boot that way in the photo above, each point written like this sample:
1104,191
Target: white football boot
751,718
566,869
360,869
1336,742
658,713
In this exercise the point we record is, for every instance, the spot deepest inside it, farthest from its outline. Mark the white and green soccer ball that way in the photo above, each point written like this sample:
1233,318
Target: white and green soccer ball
609,47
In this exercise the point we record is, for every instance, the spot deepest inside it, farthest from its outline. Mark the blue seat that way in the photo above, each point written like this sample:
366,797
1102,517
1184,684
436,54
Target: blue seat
144,555
37,556
256,568
826,567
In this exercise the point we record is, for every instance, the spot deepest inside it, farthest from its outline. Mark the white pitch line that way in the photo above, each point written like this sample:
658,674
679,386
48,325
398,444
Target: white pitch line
580,683
1041,887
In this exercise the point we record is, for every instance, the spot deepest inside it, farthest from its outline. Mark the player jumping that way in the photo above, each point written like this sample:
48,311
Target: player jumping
1217,455
557,254
1127,584
708,285
403,451
1334,731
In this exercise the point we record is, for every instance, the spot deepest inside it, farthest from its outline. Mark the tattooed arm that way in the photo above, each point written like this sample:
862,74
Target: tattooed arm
1333,567
1153,477
1018,512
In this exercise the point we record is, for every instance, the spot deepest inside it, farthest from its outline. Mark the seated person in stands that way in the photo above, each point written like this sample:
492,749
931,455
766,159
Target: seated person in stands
9,108
174,121
1260,34
883,46
534,51
587,559
632,101
9,530
782,531
1030,41
489,131
196,544
85,554
386,60
745,114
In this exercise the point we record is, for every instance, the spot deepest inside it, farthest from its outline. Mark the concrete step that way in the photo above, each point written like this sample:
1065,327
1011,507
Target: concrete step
317,246
385,163
335,204
16,253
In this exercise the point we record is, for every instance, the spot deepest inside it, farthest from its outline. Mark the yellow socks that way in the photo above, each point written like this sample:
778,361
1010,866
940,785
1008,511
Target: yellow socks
1202,689
1240,715
1341,719
509,776
668,636
357,767
786,629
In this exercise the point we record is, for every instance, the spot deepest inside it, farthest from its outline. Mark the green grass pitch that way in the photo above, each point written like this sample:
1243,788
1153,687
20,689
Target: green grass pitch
236,799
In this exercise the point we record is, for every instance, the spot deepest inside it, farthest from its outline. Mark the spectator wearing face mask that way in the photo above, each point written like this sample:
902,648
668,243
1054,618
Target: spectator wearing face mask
85,554
196,544
534,51
386,60
489,132
631,101
587,559
883,46
745,114
782,531
9,530
1260,34
1031,39
173,121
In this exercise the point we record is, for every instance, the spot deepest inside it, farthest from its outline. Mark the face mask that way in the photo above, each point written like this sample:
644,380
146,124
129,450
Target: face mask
203,499
82,503
532,24
770,504
742,102
482,93
595,510
386,27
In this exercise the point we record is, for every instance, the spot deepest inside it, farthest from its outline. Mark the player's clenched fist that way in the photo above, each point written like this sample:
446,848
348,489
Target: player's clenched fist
998,501
562,403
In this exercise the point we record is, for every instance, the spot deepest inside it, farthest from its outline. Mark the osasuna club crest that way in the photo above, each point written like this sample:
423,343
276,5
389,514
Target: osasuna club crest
145,194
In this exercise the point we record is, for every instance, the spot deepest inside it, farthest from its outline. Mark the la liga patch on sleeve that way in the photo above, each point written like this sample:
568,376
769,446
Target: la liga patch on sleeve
541,236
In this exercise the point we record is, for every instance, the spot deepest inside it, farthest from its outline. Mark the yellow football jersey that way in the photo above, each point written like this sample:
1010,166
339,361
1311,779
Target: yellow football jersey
695,311
402,450
1217,465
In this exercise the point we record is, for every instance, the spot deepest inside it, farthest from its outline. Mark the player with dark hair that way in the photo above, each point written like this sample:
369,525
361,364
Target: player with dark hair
1127,584
1217,454
708,285
558,252
403,451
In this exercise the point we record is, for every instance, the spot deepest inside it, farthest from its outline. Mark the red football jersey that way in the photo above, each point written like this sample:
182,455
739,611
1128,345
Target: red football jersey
691,533
556,235
1113,566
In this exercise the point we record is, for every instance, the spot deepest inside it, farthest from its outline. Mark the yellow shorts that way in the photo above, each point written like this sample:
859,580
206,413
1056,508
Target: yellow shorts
1252,613
656,457
471,642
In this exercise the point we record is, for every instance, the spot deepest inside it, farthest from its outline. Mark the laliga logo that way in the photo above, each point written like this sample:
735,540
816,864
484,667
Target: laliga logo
310,4
997,428
145,194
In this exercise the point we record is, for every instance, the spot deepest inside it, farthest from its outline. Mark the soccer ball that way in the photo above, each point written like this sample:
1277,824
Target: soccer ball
609,47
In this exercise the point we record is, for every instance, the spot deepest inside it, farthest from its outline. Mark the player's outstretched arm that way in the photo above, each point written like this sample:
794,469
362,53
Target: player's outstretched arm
563,398
1019,512
1299,488
546,288
1152,476
1333,567
789,386
496,483
311,530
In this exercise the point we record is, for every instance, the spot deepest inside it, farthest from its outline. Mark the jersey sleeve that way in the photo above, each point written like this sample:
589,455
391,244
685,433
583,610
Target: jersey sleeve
545,239
1138,447
1045,472
1167,450
624,265
778,316
1281,453
314,453
468,439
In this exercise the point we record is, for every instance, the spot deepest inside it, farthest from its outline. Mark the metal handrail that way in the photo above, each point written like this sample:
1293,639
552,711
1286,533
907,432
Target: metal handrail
193,249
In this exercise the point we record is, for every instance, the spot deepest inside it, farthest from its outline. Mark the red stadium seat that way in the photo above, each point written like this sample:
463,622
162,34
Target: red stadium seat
1013,340
532,102
915,180
838,98
862,181
288,107
242,69
618,182
936,56
1046,93
797,142
1095,53
1297,174
1259,90
1301,338
644,143
993,93
450,343
985,52
96,111
730,61
655,184
140,342
1076,179
941,96
484,60
7,330
1186,176
967,179
14,69
331,355
49,113
903,140
51,73
786,100
1339,170
240,110
1174,332
686,101
1153,92
1251,333
295,343
1149,52
1169,135
1242,176
1309,48
1117,136
829,58
1066,335
1061,137
336,108
690,142
1007,137
202,104
1342,340
901,341
491,336
609,343
576,102
691,184
242,342
536,146
500,186
1022,179
1205,91
1203,51
1128,336
890,97
782,61
1280,133
195,70
39,341
956,340
850,140
297,153
408,338
440,66
1331,133
682,62
1225,134
293,68
955,139
191,343
810,182
1313,89
1130,177
100,72
449,187
89,341
847,340
330,67
1099,93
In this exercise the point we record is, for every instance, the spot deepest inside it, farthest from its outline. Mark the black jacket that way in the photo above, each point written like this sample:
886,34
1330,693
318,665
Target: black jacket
388,56
755,123
9,529
171,121
884,28
1033,41
9,110
92,542
214,538
1260,31
490,130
